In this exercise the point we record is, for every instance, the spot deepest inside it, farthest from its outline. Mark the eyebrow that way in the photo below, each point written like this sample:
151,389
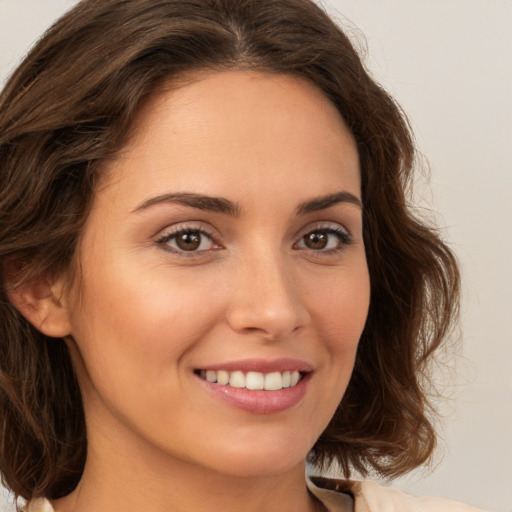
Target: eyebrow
324,202
222,205
199,201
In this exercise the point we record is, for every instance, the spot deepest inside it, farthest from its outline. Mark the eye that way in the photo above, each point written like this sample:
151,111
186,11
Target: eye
187,240
325,240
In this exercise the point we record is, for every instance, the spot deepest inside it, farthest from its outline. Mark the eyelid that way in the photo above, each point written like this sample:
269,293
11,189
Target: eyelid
170,232
325,225
331,227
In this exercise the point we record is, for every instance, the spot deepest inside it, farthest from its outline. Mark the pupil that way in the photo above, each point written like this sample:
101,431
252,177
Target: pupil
189,241
316,240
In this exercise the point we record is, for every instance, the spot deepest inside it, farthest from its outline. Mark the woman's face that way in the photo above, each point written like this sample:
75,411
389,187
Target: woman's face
224,244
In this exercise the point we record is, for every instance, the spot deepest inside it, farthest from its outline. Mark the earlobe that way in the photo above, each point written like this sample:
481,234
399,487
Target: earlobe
42,303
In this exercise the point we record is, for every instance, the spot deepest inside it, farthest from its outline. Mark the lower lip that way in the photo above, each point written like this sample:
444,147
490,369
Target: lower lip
259,401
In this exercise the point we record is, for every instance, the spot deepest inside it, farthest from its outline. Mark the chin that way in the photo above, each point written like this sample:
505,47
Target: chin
273,456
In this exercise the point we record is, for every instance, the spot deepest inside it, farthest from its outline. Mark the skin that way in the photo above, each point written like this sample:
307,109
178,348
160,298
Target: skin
144,315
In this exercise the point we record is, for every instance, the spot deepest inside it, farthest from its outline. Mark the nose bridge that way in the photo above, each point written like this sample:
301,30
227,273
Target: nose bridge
267,297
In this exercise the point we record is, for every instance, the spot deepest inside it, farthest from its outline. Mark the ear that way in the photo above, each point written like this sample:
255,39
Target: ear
42,302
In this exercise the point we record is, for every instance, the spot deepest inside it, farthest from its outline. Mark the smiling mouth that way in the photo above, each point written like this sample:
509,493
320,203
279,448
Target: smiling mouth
273,381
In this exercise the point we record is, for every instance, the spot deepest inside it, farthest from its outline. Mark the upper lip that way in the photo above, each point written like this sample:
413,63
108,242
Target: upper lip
261,365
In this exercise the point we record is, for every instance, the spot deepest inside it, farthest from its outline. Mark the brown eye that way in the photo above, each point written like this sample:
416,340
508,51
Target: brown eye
325,240
316,240
188,240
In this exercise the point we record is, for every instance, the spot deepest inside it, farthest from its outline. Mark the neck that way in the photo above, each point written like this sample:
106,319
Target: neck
143,478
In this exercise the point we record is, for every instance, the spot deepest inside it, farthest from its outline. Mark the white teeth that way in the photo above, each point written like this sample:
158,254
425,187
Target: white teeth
273,381
252,380
222,378
237,380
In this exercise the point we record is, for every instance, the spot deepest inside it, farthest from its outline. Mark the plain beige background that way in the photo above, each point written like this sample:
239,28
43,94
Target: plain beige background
449,64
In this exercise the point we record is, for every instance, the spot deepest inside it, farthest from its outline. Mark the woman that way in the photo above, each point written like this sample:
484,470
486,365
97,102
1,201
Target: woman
209,270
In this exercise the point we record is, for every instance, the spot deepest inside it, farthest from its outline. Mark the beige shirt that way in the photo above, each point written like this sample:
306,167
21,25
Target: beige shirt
347,496
371,497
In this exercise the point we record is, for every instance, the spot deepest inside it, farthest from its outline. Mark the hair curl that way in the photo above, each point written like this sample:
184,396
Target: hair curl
69,106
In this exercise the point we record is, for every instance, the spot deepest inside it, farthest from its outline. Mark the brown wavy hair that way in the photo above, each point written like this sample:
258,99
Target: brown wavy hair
69,106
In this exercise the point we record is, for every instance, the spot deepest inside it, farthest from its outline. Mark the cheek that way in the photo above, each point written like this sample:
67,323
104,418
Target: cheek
133,340
341,307
143,317
338,306
340,310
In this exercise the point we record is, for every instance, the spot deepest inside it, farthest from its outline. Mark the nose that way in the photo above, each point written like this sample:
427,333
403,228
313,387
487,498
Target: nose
266,299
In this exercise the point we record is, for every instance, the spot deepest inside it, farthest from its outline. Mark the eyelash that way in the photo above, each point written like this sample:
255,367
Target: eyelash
344,240
183,230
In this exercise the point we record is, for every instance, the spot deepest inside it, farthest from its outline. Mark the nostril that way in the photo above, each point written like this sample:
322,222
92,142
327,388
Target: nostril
272,320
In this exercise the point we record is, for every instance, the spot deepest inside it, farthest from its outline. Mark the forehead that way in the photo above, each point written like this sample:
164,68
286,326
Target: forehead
255,129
